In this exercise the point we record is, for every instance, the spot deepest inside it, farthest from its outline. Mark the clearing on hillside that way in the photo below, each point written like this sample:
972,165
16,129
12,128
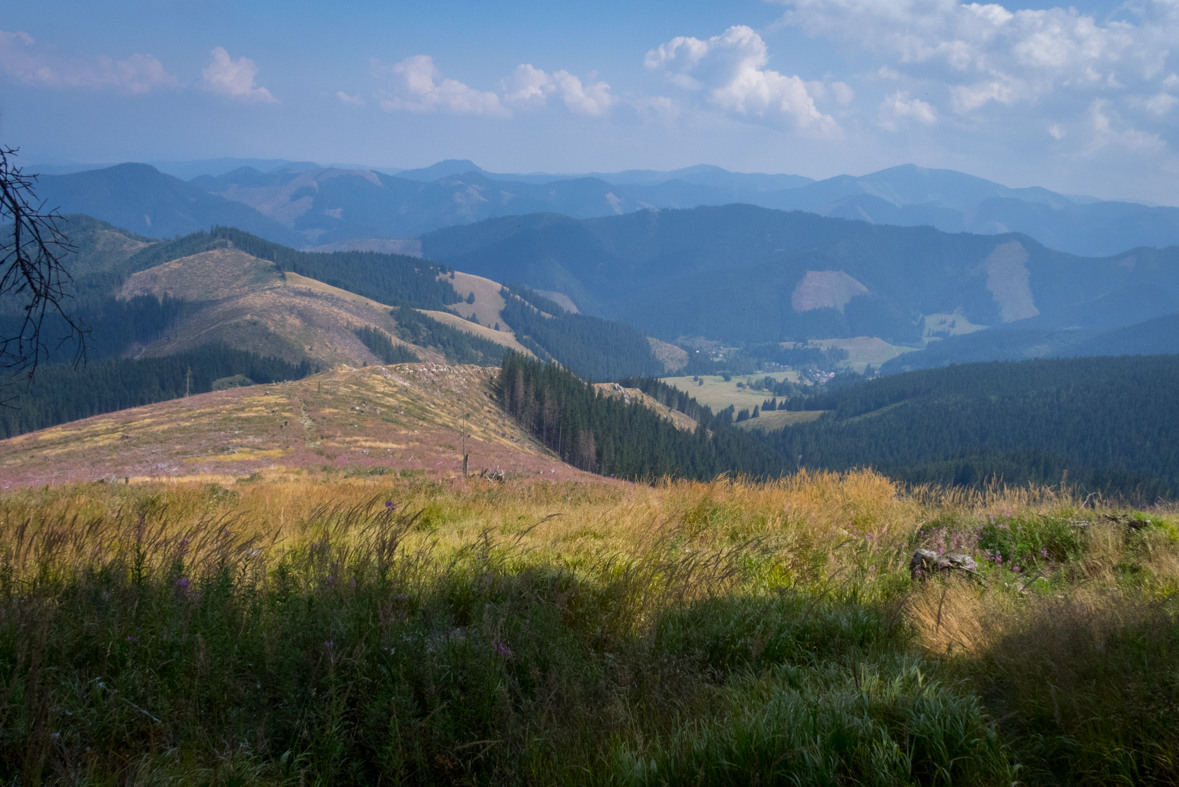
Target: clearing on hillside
405,418
718,394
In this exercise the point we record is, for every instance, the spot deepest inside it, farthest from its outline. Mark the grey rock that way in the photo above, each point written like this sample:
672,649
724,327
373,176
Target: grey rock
925,562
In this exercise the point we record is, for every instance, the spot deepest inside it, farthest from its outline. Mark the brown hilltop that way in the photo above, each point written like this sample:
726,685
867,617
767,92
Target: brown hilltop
247,303
405,418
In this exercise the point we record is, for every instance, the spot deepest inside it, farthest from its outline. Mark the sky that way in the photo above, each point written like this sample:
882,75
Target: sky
1081,99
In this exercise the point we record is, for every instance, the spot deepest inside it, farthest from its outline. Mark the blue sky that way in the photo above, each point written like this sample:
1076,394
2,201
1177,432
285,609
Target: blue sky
1083,99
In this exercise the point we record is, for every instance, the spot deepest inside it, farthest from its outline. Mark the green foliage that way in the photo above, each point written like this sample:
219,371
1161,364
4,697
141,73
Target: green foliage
591,347
458,346
1031,541
64,392
1112,423
873,724
671,397
603,434
379,343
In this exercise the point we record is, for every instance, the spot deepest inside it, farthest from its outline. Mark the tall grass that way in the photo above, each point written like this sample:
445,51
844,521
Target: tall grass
723,633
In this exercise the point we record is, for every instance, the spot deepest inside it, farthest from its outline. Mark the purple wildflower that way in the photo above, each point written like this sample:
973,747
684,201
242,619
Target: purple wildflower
390,504
182,582
502,650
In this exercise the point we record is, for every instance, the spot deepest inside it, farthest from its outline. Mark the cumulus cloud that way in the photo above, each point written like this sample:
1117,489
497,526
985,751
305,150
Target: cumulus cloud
899,108
22,61
531,86
234,78
415,85
1109,130
730,71
352,101
843,93
990,54
1160,103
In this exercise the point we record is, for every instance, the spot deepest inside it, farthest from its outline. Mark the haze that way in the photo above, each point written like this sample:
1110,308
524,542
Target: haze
1079,100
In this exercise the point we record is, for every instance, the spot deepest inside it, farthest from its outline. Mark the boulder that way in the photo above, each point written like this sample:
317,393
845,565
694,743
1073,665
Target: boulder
925,562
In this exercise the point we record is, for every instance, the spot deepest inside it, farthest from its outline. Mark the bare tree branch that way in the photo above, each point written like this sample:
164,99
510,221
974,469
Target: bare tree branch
32,251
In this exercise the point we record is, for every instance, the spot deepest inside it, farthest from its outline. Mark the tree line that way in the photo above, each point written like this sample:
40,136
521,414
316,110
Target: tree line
603,434
64,392
458,346
1112,423
593,348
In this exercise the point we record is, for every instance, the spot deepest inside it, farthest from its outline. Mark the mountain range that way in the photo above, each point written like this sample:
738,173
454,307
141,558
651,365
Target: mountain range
302,204
744,275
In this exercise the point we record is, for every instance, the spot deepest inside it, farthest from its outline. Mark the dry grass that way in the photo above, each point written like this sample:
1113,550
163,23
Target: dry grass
672,627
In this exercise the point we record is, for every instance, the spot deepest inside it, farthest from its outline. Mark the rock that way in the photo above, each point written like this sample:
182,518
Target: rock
925,562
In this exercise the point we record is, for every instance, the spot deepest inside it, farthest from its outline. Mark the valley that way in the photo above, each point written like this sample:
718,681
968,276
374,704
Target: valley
589,395
670,468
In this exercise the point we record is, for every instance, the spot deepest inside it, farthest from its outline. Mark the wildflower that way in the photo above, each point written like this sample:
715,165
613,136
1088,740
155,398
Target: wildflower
502,650
1044,552
331,580
390,504
329,644
1016,569
182,582
352,582
872,569
132,639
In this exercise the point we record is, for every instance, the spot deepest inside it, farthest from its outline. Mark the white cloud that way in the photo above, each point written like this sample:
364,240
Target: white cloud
21,61
1109,130
1057,132
414,86
898,108
234,78
661,107
352,101
843,93
730,70
1160,103
530,86
989,54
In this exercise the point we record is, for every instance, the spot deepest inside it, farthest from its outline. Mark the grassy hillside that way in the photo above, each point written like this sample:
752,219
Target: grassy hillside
395,630
355,422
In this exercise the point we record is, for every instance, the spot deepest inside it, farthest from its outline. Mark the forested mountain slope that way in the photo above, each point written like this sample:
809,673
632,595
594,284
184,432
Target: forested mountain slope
1158,336
741,274
1112,423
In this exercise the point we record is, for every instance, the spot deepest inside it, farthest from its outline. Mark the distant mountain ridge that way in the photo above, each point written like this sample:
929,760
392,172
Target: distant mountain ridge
360,204
744,275
140,198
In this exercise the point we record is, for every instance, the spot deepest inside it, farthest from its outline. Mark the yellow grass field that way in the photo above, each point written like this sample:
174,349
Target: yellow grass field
718,394
777,419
